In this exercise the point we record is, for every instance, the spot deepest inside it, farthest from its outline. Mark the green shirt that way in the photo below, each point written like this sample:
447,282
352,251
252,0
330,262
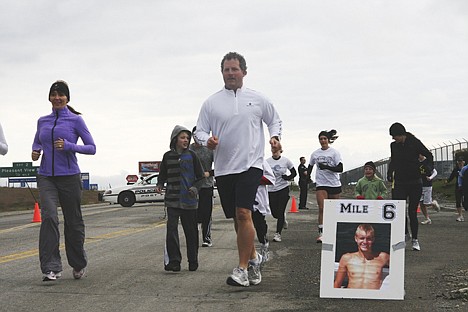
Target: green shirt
370,188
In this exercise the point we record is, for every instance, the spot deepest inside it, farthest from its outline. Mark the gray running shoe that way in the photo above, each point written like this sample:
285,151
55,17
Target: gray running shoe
254,271
415,244
265,252
79,274
239,277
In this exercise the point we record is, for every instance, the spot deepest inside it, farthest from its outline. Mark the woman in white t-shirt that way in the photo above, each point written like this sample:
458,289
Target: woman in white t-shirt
278,194
327,177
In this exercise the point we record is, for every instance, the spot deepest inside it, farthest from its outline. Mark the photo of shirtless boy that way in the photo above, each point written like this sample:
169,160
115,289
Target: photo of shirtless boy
364,267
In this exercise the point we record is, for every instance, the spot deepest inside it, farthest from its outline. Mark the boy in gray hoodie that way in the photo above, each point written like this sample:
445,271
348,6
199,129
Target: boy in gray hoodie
182,173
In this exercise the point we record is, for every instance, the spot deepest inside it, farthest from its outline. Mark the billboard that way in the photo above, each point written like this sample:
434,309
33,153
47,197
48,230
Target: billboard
148,167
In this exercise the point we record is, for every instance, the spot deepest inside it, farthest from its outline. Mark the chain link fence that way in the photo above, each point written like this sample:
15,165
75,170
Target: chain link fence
445,157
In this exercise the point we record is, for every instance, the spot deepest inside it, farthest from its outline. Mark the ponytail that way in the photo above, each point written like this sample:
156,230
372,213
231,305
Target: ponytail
71,109
331,135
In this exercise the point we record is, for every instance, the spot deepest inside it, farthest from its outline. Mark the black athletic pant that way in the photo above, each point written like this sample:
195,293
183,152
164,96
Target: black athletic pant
411,193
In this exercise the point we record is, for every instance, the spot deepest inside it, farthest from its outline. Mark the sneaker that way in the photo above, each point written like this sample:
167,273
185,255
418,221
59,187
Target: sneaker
264,251
460,219
285,225
193,266
79,274
436,205
277,237
239,277
207,244
51,276
254,271
415,244
407,237
427,221
319,238
172,266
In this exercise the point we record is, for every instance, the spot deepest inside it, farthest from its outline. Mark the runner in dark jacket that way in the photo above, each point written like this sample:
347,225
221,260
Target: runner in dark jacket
403,171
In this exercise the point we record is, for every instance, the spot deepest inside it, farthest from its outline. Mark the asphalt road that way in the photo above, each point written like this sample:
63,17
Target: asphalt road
125,272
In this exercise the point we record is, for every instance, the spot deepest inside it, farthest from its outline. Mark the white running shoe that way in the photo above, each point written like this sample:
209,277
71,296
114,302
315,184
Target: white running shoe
277,237
239,277
51,276
460,219
427,221
415,244
436,205
207,244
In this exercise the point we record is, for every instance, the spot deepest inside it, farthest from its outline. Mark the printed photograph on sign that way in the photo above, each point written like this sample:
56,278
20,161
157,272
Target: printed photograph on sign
363,249
362,256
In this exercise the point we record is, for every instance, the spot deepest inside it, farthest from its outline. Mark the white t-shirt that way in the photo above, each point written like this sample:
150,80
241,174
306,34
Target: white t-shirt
280,167
237,119
330,157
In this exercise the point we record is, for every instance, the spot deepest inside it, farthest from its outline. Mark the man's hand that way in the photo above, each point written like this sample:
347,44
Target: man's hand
212,142
275,144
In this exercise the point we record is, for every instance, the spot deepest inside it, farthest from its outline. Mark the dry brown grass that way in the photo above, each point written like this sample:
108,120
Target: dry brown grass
12,199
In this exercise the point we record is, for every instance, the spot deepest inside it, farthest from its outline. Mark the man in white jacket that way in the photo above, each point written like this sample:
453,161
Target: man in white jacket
231,123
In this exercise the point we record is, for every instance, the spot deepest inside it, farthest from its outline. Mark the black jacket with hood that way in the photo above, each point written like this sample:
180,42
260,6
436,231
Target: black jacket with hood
182,173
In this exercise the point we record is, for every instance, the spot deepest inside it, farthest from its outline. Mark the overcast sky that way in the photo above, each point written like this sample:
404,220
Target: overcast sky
137,68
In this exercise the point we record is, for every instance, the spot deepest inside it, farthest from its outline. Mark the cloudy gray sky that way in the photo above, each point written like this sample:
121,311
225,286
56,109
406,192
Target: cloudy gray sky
137,68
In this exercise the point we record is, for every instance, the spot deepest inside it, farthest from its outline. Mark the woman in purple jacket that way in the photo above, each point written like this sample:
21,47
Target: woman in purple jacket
59,182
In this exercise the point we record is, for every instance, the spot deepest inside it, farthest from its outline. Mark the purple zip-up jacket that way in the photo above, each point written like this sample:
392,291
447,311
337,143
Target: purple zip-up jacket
62,124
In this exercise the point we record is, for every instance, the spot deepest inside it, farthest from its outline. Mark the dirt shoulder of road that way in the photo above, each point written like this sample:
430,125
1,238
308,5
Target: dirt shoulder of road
13,199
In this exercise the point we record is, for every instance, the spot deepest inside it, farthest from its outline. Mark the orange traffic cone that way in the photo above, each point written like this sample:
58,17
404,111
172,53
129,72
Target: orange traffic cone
37,213
419,209
293,205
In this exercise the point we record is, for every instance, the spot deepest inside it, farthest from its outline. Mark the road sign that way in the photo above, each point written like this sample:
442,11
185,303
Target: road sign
19,169
132,178
21,180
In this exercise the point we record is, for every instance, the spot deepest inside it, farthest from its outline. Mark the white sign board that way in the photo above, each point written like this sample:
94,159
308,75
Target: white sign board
363,249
